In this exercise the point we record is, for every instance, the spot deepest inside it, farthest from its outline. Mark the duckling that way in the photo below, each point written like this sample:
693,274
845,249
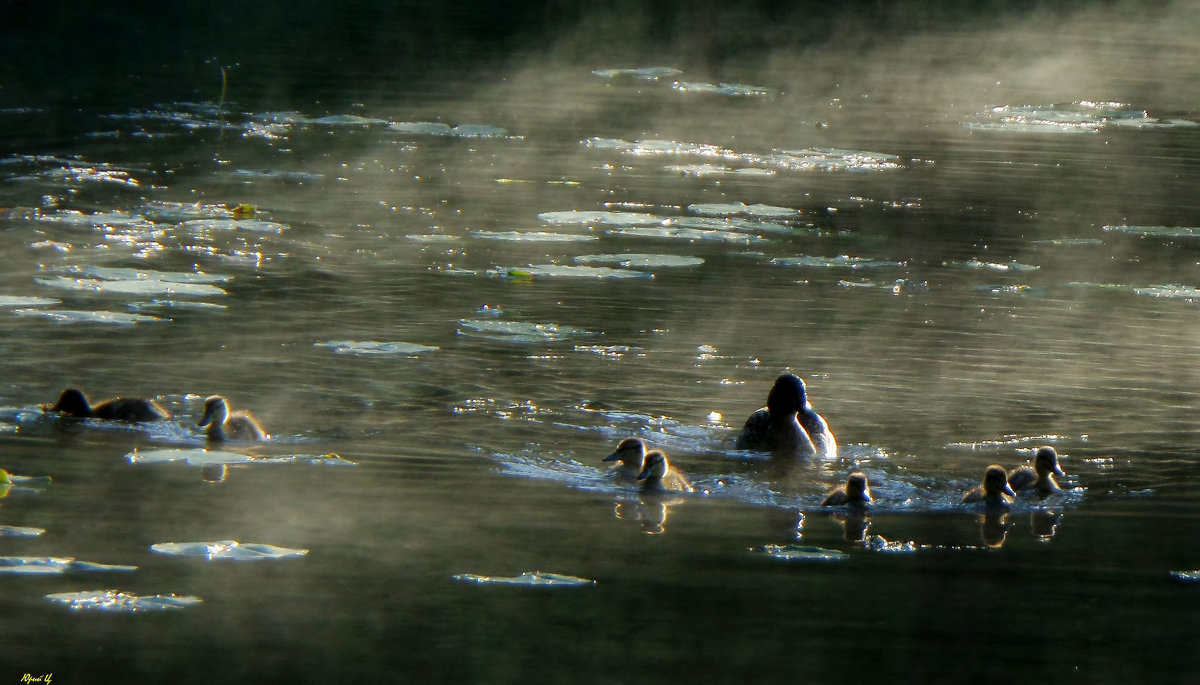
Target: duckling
1041,475
72,402
658,477
856,492
223,425
788,424
631,455
994,490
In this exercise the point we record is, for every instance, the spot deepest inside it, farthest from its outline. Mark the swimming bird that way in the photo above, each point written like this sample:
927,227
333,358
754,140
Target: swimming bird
1041,475
788,424
224,425
72,402
993,491
657,476
631,455
856,491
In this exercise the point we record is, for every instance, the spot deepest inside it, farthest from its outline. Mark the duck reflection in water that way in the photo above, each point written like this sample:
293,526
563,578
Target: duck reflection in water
1044,524
650,510
1040,476
993,491
224,425
72,402
788,426
631,457
993,527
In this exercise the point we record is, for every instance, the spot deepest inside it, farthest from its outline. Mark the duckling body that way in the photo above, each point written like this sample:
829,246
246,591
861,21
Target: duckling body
994,491
855,492
72,402
657,476
224,425
1040,476
788,425
631,456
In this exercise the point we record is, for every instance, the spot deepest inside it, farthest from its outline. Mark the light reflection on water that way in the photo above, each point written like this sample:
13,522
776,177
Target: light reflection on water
956,294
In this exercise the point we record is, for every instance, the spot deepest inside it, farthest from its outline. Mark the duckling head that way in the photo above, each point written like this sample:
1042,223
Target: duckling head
631,452
788,395
216,411
1046,461
995,481
73,402
857,488
655,466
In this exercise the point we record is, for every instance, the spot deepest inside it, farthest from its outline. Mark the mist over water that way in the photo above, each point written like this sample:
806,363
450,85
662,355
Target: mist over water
470,248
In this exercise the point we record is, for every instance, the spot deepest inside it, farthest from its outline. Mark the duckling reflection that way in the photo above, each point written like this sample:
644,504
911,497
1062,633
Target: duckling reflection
993,528
788,425
993,491
215,473
224,425
1040,476
657,476
1044,524
649,510
631,455
72,402
855,492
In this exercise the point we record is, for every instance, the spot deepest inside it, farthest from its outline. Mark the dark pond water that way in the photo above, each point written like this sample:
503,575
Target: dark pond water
972,234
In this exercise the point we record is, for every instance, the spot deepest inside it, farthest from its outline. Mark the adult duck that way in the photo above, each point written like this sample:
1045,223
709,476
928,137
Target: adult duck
993,491
224,425
788,425
1040,476
72,402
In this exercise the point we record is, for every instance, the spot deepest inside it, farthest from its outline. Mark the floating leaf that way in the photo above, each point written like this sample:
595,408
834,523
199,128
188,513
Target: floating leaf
121,602
640,260
372,347
533,578
803,553
227,549
45,566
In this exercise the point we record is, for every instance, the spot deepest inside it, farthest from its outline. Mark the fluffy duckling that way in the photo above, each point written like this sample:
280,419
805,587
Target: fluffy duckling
855,492
72,402
631,455
224,425
657,475
1041,475
788,424
993,491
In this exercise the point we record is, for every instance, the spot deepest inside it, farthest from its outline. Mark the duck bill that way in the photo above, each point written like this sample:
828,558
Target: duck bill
612,457
1058,470
644,474
206,419
1008,490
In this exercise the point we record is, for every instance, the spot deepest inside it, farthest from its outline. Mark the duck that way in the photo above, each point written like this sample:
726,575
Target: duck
631,456
856,492
224,425
993,491
658,477
1040,476
788,424
73,402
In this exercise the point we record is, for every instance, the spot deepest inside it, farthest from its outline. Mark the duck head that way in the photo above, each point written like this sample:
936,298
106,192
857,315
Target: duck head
1046,461
655,467
216,411
857,488
995,481
787,396
72,402
631,452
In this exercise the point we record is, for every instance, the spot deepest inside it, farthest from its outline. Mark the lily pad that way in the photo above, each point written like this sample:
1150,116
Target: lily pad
637,260
803,553
52,566
373,347
227,549
529,578
116,601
